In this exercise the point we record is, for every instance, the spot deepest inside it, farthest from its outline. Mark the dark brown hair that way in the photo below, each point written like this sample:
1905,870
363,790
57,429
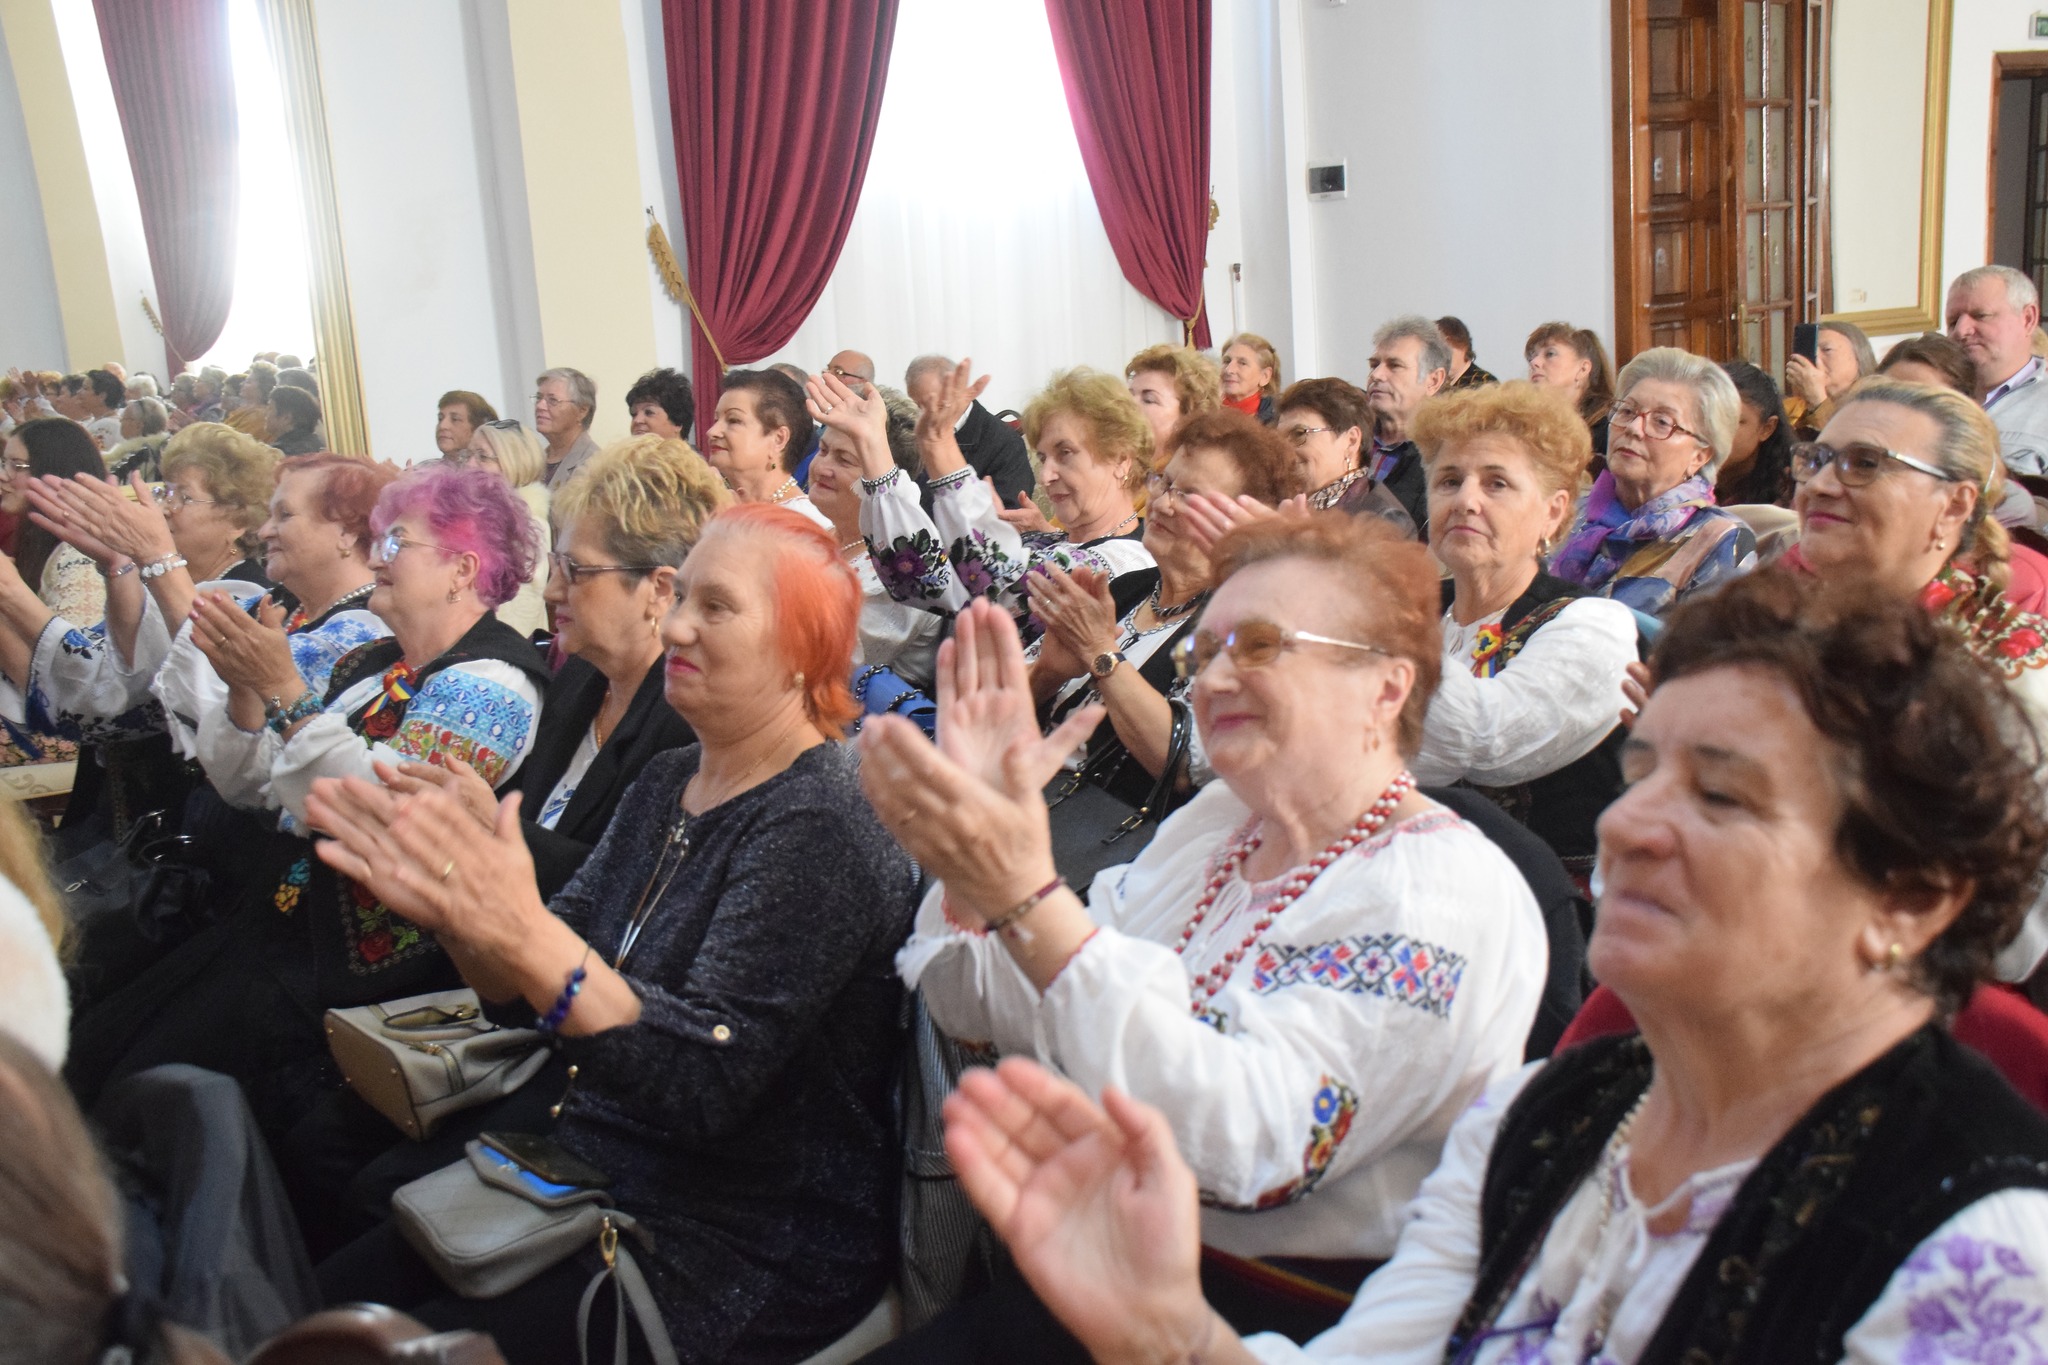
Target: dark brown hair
1598,399
59,446
1265,463
1937,795
1393,588
1458,335
778,402
479,408
1336,401
1937,353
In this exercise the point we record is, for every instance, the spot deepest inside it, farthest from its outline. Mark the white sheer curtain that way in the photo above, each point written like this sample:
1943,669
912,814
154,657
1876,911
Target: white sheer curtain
977,233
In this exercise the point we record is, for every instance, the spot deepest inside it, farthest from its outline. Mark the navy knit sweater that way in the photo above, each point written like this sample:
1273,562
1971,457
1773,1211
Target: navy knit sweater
747,1118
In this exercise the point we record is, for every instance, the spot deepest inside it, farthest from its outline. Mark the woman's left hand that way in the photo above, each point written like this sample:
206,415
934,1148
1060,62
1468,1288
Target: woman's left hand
248,653
422,855
1077,608
1635,690
1025,516
450,775
973,809
1205,517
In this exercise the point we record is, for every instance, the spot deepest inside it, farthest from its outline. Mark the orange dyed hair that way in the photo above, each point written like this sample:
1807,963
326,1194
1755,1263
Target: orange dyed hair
817,605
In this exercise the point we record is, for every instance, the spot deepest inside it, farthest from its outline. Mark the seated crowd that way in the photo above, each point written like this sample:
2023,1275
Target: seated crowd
1191,793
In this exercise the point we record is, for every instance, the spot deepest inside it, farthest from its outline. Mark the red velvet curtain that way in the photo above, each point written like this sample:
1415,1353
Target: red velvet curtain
774,104
174,85
1137,79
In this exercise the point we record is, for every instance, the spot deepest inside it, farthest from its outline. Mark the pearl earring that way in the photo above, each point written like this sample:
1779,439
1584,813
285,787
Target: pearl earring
799,682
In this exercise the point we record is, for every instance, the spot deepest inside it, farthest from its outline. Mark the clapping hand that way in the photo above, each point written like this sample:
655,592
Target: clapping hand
937,446
421,854
450,775
247,652
1206,516
98,510
1076,609
863,416
972,809
1025,516
1095,1205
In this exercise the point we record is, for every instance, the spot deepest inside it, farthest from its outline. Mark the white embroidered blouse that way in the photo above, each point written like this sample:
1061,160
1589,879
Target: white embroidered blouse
964,549
1337,1054
1976,1290
1548,707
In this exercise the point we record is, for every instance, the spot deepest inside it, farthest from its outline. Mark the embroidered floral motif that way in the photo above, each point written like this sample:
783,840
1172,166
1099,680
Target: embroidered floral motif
317,651
983,565
292,886
376,937
459,715
912,568
1964,1308
1394,967
2006,636
1486,650
1330,1114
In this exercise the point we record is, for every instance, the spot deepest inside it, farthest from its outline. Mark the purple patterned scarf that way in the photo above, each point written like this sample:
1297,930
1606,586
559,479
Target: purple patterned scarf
1608,533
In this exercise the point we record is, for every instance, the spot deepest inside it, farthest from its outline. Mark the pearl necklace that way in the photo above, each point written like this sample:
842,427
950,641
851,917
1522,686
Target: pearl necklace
1205,986
790,489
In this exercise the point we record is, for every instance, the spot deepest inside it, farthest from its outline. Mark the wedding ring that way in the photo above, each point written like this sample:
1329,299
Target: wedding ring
446,871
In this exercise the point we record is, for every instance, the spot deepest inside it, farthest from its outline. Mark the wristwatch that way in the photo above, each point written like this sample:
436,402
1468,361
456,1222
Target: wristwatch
1102,665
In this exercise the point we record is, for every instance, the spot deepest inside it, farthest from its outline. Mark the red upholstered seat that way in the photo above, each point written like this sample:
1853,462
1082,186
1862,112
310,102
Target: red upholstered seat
2008,1030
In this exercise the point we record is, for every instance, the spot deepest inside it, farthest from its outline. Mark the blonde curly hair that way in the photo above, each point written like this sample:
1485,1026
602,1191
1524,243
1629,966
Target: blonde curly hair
1117,429
1196,380
1542,421
649,495
239,471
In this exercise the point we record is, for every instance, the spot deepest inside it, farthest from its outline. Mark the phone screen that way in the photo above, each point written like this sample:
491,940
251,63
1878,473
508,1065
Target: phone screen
548,1160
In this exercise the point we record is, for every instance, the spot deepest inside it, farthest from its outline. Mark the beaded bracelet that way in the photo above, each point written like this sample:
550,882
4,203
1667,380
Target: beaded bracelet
551,1022
157,568
281,718
1025,906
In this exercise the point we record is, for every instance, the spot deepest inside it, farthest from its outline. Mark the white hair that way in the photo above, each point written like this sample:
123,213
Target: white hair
1717,402
1436,352
2019,290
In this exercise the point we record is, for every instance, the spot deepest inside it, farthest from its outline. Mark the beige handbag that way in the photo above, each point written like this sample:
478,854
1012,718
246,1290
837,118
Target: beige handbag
420,1059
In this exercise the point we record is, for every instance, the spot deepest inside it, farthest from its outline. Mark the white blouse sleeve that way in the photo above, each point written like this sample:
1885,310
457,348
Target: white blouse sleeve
482,712
1406,1309
1975,1290
1550,706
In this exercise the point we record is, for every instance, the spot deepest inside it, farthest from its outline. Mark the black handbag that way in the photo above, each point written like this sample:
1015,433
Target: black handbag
1093,828
129,902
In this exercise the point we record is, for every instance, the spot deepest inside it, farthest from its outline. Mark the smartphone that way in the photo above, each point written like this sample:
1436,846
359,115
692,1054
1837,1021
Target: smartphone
547,1159
1806,340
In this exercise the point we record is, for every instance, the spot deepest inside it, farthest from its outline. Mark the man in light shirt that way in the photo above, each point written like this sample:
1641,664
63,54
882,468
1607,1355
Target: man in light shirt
1992,313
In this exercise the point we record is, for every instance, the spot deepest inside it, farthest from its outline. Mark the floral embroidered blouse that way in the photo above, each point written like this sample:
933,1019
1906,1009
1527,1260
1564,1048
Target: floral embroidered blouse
1976,1290
71,587
1341,1047
965,550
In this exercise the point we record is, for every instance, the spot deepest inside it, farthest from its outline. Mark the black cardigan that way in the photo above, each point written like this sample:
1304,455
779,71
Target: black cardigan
649,727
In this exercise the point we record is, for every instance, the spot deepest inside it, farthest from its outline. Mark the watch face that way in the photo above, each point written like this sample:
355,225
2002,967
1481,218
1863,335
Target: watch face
1104,665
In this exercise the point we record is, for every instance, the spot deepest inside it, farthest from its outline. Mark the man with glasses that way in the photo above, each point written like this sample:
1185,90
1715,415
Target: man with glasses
1992,314
564,400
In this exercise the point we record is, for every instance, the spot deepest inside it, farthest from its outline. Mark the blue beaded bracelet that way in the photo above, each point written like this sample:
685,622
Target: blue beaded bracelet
551,1022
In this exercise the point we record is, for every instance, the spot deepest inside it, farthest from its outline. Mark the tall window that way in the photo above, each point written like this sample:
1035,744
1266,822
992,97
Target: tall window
272,310
977,232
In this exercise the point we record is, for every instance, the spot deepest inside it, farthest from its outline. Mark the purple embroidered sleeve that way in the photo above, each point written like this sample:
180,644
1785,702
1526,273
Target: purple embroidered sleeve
1972,1300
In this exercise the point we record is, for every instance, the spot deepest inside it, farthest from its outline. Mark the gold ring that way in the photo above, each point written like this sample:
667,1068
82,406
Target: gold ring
449,869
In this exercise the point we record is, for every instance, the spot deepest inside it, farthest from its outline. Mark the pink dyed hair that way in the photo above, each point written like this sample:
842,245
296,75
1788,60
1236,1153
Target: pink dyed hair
472,510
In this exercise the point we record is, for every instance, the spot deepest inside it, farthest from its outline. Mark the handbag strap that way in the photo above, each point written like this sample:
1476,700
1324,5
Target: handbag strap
627,1284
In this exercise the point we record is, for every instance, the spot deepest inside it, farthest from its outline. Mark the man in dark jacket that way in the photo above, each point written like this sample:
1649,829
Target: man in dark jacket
991,446
1409,363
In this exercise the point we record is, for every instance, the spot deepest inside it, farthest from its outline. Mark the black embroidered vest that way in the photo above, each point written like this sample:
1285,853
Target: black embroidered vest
365,951
1817,1229
1562,807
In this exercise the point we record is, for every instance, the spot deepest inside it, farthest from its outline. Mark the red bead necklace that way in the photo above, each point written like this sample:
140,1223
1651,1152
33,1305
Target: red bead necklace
1204,987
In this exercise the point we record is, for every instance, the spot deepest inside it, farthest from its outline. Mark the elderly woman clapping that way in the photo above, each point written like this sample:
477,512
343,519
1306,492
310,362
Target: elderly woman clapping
1827,838
451,681
1312,968
1533,665
1649,534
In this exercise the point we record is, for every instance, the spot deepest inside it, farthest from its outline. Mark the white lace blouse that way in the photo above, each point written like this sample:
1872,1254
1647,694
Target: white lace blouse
1976,1290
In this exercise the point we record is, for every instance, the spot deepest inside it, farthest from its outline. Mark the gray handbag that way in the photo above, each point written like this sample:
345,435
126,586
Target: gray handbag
485,1229
420,1059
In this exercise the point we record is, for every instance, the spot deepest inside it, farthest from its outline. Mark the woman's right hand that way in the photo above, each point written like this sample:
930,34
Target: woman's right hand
1803,379
50,508
1096,1206
1635,690
452,776
862,416
1206,516
135,527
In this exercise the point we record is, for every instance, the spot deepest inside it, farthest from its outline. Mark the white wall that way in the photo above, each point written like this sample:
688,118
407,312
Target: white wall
33,323
1481,176
414,170
1980,28
1248,168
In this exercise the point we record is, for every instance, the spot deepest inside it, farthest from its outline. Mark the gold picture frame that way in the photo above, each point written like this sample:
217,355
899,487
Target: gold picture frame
1925,313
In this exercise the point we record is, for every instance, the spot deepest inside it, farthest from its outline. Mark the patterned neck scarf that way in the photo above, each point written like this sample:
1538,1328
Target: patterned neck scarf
387,708
1608,533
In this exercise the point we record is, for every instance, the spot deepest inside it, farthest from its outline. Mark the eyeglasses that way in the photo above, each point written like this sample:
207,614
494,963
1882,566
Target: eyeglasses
18,466
572,571
847,377
1856,464
470,455
1254,644
1657,424
1158,488
543,400
1300,435
386,547
170,496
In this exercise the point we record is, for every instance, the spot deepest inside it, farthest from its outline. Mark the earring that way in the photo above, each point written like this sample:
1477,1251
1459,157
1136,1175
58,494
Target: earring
799,684
1940,544
454,594
1893,956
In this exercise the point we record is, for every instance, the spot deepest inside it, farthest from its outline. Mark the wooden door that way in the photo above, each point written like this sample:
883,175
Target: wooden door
1720,208
1671,177
2036,206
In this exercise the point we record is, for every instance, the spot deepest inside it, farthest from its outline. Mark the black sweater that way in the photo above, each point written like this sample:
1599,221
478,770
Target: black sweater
746,1118
649,727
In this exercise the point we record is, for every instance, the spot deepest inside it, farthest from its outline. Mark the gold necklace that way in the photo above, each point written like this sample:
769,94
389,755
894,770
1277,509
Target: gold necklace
597,726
